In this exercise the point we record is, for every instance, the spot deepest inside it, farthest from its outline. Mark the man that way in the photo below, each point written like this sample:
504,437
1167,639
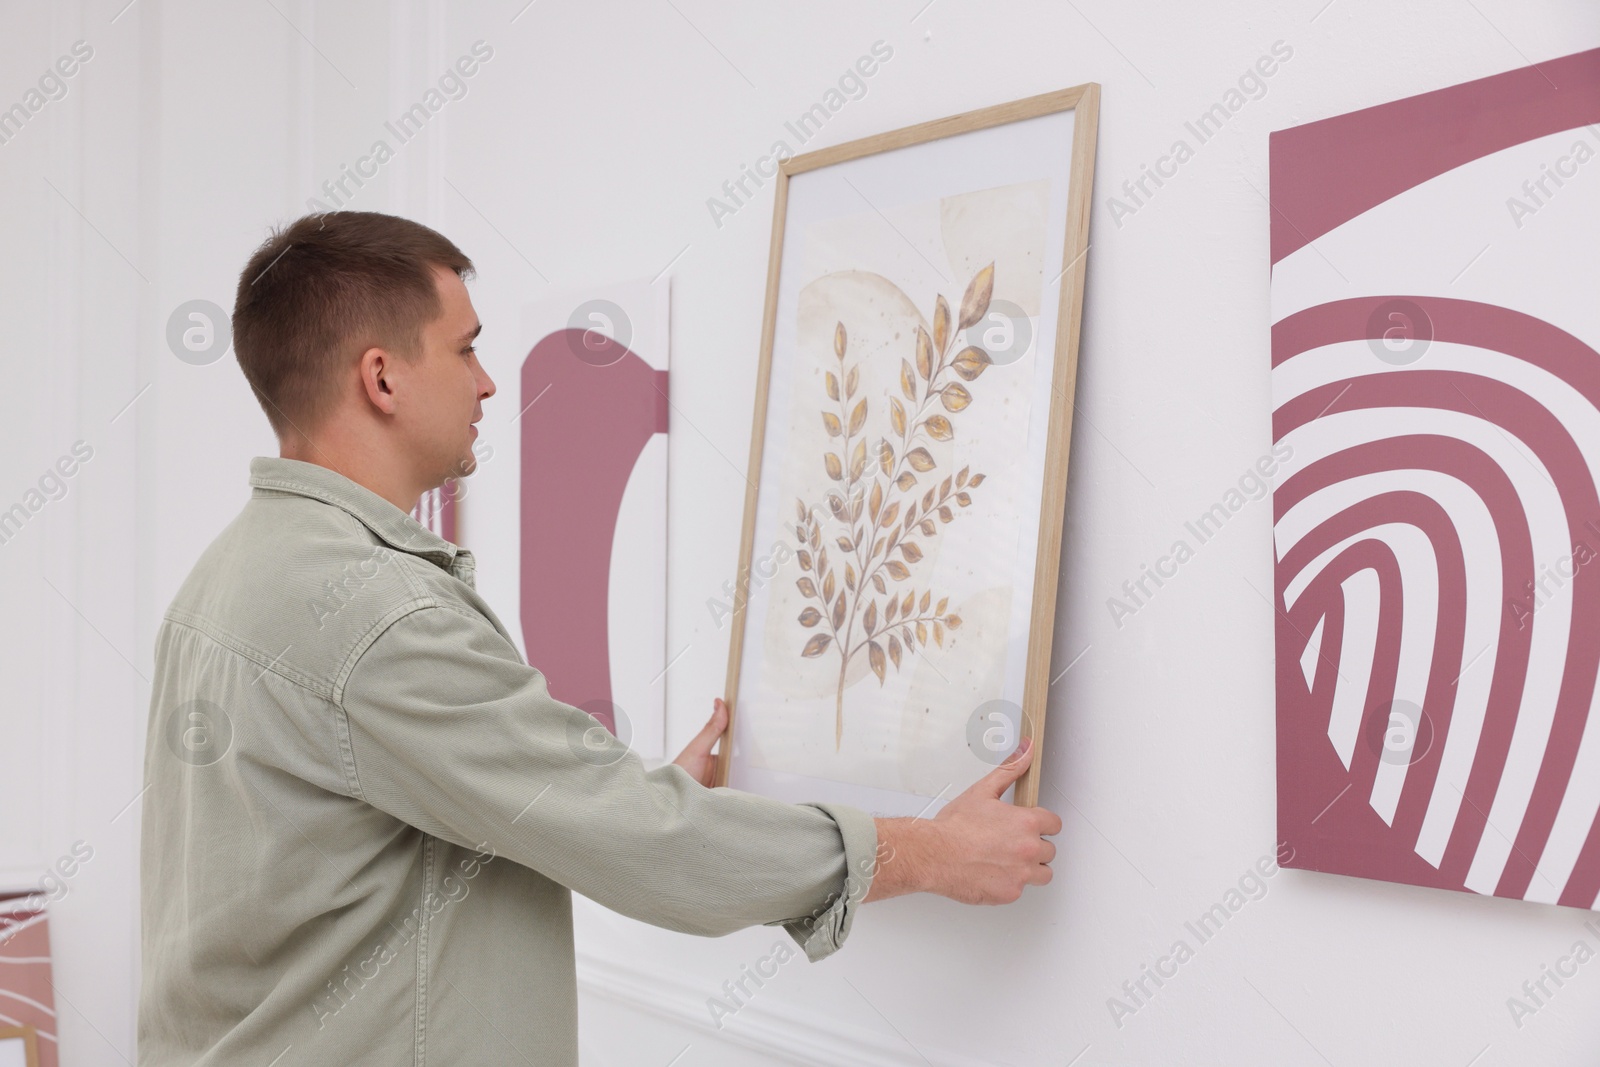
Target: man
366,814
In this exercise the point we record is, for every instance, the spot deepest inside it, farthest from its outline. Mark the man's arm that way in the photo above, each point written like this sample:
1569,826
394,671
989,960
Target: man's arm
977,850
449,731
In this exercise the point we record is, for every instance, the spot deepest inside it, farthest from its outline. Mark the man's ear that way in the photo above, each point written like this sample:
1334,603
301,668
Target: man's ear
378,370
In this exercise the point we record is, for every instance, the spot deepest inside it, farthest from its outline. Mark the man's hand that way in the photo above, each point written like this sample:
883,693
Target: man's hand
696,757
977,850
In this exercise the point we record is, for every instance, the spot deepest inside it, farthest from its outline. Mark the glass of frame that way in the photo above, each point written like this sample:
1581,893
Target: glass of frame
902,532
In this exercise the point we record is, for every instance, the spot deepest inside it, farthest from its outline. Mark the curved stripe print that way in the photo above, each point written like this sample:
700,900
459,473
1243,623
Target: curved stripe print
1499,836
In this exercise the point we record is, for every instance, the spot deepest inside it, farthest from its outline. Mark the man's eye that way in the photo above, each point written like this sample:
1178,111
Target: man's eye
470,350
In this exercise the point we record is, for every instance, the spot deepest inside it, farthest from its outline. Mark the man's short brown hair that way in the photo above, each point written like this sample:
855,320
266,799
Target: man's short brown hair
324,289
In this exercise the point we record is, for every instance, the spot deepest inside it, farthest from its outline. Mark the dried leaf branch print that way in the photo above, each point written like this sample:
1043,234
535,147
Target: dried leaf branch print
866,600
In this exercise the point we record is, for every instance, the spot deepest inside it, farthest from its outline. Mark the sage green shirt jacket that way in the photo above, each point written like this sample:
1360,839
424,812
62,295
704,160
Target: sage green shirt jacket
365,815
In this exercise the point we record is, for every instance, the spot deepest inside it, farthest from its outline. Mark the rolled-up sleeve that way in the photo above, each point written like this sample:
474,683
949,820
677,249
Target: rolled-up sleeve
450,732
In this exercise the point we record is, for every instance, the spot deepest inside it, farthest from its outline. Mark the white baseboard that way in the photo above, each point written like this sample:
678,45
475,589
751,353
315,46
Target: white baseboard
775,1029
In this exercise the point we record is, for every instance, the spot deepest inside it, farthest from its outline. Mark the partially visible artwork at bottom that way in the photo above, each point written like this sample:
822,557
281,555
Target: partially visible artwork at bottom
27,995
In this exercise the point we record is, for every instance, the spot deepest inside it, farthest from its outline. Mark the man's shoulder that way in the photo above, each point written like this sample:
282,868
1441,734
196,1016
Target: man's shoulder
301,584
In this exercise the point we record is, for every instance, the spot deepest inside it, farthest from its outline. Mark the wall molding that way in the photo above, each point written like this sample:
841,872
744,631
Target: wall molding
768,1025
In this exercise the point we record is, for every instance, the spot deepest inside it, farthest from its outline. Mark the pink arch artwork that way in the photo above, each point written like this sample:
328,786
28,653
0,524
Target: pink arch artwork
579,448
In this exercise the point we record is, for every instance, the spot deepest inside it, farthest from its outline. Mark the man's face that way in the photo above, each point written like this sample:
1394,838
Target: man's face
447,386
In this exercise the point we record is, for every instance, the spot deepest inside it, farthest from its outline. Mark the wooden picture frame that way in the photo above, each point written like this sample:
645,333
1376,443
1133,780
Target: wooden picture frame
29,1038
1034,123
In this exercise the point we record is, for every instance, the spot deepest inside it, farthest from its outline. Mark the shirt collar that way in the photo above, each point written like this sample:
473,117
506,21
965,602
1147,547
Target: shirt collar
393,526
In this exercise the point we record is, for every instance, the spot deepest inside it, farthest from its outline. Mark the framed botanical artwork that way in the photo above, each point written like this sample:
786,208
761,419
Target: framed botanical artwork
896,588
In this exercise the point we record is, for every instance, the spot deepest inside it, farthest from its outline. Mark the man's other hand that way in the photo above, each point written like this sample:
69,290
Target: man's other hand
696,757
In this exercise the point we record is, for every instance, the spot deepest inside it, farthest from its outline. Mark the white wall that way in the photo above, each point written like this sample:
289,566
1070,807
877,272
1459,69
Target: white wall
585,152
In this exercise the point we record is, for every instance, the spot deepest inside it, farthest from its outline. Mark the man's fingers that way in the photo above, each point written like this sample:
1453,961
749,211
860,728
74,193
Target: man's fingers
719,715
713,728
1049,822
696,755
999,780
